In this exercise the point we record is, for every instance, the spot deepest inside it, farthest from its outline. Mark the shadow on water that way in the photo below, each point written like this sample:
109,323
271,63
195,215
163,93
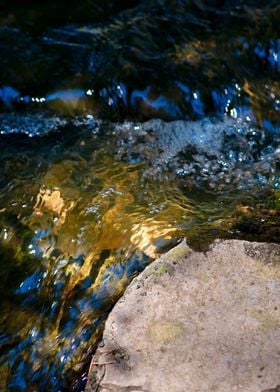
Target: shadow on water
145,59
94,186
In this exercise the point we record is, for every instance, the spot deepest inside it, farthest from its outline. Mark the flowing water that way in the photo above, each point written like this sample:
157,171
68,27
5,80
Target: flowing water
123,128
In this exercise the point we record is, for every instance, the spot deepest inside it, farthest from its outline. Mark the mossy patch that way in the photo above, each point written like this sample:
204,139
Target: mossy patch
178,253
205,277
267,321
163,268
268,271
275,260
165,332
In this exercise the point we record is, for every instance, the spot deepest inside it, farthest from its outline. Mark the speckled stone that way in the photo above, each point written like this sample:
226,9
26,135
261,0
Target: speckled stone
195,322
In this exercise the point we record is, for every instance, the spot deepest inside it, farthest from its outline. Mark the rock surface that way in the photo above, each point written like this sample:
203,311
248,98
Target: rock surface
194,322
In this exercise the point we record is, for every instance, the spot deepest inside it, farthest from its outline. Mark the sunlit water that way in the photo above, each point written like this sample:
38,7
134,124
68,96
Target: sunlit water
85,210
91,192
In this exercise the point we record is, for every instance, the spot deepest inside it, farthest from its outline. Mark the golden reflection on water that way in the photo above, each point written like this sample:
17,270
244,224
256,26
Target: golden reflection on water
109,220
83,208
114,216
88,225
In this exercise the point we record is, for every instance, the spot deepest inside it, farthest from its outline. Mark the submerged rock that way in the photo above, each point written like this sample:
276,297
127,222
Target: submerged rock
196,322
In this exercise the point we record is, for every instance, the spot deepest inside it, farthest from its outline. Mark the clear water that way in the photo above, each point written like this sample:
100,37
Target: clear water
122,130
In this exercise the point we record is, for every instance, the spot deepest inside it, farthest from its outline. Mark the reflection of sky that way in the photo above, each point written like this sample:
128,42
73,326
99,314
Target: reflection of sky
160,103
114,93
192,97
8,95
272,53
66,95
268,126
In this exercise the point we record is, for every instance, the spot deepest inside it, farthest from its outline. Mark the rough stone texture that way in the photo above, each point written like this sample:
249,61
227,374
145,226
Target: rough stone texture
194,322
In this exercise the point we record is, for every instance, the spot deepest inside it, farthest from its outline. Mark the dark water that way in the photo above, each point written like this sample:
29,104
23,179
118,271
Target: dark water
123,128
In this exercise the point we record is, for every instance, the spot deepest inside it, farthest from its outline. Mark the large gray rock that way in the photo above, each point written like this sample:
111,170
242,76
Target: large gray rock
194,322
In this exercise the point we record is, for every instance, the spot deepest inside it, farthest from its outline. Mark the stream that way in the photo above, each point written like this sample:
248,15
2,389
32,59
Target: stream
124,127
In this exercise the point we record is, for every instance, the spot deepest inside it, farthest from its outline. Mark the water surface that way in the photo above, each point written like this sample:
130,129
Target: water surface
123,128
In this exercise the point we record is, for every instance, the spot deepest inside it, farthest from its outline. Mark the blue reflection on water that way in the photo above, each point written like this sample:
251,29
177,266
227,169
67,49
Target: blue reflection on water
269,126
8,95
219,100
160,103
18,381
66,95
274,54
30,283
185,89
91,303
114,94
165,104
136,94
244,42
260,51
197,104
